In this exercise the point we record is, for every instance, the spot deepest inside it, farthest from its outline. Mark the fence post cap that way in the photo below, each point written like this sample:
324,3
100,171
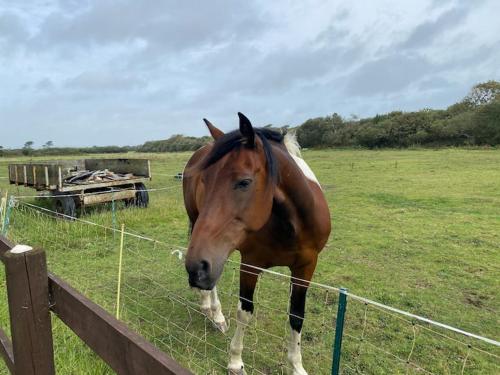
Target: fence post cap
19,249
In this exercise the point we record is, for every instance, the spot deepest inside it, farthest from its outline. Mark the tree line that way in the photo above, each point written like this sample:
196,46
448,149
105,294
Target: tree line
29,150
474,121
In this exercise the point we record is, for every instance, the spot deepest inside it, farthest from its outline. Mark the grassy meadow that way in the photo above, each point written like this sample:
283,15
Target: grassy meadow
418,230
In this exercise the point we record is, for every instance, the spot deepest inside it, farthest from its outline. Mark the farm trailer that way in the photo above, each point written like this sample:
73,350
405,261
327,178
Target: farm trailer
54,177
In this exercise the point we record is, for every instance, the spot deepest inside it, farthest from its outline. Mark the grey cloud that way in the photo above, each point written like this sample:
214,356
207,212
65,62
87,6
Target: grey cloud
244,70
167,24
387,75
45,84
473,57
427,32
434,82
104,81
158,67
283,69
12,29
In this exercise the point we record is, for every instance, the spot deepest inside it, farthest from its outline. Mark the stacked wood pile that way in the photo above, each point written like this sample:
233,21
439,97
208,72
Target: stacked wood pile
105,175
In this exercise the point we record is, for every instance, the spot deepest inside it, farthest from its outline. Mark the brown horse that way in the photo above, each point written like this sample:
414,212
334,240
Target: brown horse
250,190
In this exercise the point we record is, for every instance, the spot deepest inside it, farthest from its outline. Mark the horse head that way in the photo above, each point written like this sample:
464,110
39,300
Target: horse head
233,194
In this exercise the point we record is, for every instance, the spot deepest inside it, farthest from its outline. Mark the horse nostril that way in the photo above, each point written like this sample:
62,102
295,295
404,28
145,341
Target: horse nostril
204,266
199,273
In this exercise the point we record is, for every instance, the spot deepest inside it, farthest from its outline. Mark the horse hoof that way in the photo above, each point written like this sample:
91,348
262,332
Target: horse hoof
298,371
221,326
240,371
207,312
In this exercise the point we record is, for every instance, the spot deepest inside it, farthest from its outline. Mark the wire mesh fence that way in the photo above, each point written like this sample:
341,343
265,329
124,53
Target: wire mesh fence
156,301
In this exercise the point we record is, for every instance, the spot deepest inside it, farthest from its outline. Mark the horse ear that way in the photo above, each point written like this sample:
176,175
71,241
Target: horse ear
215,132
246,129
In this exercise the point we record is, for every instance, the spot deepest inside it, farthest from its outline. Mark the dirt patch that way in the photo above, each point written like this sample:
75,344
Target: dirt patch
474,299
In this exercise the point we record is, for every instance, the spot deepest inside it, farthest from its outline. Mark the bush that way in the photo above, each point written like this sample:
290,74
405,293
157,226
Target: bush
175,143
485,127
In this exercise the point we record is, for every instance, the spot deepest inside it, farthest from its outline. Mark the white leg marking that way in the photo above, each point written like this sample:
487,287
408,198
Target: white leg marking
236,348
211,307
217,316
294,354
205,303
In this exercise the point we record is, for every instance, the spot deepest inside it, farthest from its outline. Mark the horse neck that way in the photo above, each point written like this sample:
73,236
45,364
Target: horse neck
293,185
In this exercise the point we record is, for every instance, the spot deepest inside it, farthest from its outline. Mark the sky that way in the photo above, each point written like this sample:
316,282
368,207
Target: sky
121,72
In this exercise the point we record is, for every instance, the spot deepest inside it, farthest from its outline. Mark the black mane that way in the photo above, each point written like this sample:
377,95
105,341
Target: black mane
234,140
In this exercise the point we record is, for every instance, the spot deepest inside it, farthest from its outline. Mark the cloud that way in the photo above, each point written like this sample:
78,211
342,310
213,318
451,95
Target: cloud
425,34
166,24
104,81
45,84
385,75
12,30
124,71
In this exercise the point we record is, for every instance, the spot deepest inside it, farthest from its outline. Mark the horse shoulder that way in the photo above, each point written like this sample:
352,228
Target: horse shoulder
310,208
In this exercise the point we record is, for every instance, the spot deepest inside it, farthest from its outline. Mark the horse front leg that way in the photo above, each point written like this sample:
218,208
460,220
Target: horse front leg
299,284
248,280
211,307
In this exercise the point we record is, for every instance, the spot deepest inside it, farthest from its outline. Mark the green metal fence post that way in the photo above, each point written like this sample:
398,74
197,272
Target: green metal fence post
339,330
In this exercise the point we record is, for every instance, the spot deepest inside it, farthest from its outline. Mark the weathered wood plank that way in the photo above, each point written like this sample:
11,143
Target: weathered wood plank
123,184
5,344
125,351
108,197
31,328
139,167
5,245
6,351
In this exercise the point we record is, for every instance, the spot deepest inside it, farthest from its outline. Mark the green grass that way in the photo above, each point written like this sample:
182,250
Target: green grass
415,229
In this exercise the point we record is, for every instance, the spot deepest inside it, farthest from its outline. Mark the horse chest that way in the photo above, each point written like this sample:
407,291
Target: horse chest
281,232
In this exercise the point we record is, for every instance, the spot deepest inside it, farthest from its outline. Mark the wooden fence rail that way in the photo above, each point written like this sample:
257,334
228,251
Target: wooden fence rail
33,293
6,351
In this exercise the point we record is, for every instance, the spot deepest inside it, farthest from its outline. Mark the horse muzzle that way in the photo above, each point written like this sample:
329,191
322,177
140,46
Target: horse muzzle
202,275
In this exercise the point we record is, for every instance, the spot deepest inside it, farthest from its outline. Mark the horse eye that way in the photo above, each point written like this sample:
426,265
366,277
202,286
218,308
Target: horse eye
243,184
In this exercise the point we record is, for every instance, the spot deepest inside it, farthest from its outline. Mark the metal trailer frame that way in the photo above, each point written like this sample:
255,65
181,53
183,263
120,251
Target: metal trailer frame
49,176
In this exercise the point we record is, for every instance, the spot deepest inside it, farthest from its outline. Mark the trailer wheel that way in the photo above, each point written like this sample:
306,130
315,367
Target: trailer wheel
141,196
65,206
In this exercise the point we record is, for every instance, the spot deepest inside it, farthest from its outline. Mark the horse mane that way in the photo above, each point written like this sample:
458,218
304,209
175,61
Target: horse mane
234,140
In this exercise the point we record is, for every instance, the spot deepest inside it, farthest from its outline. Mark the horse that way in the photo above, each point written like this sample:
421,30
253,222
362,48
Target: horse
250,190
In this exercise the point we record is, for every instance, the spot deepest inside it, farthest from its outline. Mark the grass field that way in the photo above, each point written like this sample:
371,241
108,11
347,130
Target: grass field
414,229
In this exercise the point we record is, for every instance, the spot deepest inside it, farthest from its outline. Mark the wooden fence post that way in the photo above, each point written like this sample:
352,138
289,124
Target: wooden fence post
28,297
